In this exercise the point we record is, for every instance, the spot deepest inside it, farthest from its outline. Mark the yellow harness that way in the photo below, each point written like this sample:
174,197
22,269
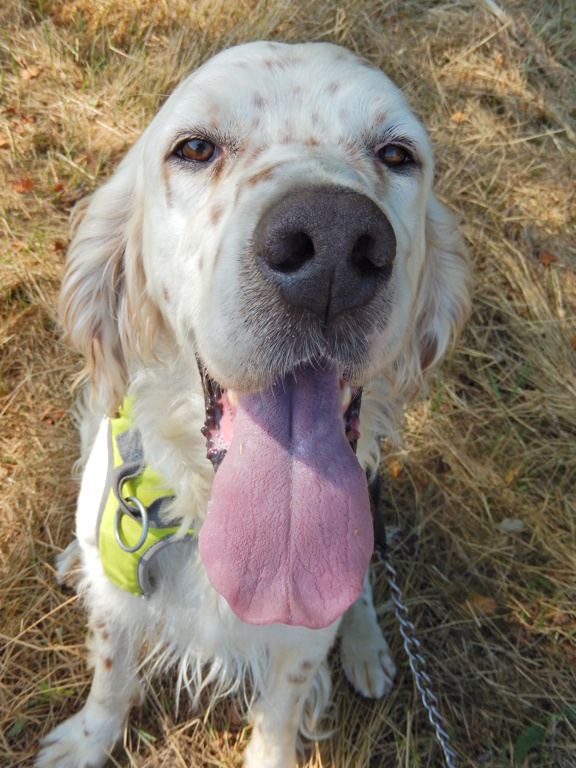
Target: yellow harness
130,527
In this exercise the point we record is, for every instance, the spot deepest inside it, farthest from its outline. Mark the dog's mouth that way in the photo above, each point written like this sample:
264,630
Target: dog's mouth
288,534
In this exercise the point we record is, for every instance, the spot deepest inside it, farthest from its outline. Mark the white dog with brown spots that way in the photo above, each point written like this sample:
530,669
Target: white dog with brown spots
268,250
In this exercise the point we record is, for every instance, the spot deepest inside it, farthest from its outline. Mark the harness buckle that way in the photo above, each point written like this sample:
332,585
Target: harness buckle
145,525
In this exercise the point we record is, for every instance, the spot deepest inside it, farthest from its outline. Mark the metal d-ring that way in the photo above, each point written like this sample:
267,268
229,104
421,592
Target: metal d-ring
143,513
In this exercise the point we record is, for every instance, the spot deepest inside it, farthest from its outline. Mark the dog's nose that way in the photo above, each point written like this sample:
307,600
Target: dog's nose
327,249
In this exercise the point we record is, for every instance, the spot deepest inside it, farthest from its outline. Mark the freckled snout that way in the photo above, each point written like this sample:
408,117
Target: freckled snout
327,249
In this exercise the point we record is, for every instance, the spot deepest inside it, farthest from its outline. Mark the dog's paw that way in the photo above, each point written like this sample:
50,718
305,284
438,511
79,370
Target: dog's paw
367,661
69,564
79,743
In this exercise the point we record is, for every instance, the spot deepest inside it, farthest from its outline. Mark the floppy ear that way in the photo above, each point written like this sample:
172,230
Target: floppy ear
104,304
443,298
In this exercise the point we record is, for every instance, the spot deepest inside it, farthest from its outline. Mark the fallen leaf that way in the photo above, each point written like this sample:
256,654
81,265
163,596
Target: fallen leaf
58,187
52,415
60,245
458,117
531,738
487,605
30,73
22,185
573,341
547,258
560,619
3,141
512,476
394,468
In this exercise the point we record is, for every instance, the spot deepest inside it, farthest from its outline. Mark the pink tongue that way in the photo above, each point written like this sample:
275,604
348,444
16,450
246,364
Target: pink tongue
288,535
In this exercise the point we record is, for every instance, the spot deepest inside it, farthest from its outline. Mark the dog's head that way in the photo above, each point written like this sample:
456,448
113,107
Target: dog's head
275,222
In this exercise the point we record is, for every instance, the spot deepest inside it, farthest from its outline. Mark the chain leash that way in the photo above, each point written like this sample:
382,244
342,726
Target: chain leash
418,666
411,644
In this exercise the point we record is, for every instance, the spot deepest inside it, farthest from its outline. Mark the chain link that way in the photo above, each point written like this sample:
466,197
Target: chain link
418,667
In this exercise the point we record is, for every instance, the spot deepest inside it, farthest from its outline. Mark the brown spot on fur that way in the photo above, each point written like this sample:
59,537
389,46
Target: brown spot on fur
307,664
216,214
315,116
283,62
166,294
312,141
86,733
200,264
364,601
218,168
104,635
258,101
297,679
254,124
333,88
108,663
167,188
213,114
286,138
263,175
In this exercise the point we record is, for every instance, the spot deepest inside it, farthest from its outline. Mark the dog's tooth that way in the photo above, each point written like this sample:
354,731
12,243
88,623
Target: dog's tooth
233,398
346,395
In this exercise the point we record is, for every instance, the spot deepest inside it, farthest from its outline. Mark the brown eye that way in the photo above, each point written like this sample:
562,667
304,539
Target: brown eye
394,155
199,150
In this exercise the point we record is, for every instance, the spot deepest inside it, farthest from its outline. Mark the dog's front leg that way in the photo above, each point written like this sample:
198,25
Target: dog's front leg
87,738
278,713
365,654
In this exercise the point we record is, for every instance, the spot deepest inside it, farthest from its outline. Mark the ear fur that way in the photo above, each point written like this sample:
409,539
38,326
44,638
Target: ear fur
104,305
446,288
443,298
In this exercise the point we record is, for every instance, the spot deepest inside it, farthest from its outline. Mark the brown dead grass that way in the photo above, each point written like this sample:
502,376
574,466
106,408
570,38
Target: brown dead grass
482,494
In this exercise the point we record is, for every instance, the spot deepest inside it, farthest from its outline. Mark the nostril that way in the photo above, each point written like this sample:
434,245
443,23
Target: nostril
372,257
362,255
290,252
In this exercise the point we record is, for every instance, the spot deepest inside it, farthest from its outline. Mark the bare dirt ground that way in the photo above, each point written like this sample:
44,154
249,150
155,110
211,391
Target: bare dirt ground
483,491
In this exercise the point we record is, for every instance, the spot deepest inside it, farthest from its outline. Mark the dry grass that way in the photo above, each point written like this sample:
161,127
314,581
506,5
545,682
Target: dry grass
493,600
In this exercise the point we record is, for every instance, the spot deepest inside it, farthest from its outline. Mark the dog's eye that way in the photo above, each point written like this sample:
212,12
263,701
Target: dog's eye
199,150
393,155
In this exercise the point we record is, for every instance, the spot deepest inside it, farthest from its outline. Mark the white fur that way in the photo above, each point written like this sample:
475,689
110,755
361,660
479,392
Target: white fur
152,280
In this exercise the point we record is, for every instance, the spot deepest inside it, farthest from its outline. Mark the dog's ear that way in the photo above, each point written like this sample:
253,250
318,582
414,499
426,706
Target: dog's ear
104,305
443,303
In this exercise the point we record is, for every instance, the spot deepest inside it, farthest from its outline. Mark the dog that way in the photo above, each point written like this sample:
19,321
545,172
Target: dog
258,290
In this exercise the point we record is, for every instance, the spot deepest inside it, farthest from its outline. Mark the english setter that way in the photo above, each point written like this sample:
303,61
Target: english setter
267,253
